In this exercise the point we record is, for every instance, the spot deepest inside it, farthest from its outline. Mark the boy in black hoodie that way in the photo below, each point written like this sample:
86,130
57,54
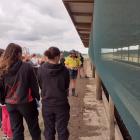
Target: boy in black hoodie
54,82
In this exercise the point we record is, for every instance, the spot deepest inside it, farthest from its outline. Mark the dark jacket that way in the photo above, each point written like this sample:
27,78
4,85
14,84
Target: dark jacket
54,82
20,84
2,96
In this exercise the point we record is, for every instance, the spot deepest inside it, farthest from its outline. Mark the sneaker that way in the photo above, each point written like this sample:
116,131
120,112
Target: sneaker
86,76
74,93
8,138
4,137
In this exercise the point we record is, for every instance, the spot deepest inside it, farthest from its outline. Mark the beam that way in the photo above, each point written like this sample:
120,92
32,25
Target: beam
86,45
84,39
78,1
84,36
87,30
81,14
98,87
83,25
80,27
93,70
83,29
111,120
85,42
84,32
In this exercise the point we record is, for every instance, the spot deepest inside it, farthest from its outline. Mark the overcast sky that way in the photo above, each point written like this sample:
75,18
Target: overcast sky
37,24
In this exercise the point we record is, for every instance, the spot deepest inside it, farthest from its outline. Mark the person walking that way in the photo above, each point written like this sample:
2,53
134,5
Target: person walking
54,82
1,52
62,58
35,62
73,63
4,115
81,69
21,90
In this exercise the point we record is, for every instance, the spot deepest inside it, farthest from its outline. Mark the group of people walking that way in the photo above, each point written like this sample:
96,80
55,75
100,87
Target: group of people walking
19,93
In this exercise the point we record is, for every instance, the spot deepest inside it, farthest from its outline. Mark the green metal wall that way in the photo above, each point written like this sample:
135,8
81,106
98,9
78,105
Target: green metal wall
114,49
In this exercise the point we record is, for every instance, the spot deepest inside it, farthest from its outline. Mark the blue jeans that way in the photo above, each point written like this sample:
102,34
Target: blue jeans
73,74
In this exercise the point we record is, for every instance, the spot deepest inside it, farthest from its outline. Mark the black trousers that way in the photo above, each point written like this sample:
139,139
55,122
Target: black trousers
0,116
56,117
29,112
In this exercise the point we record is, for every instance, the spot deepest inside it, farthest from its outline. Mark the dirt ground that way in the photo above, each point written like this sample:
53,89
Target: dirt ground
88,119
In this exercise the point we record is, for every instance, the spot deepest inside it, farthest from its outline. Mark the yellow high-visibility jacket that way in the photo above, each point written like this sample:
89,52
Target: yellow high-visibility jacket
72,63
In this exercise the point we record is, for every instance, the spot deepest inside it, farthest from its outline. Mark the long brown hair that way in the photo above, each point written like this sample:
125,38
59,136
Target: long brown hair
10,56
1,52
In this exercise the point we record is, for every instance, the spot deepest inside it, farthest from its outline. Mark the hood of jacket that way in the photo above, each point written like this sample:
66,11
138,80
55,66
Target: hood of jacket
53,69
14,68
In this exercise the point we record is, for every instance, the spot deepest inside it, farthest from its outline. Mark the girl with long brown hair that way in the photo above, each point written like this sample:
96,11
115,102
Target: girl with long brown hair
21,90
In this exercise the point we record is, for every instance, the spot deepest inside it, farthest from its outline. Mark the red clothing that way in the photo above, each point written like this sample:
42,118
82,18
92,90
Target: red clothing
6,126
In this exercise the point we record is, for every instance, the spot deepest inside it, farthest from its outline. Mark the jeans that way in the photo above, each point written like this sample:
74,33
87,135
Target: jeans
0,116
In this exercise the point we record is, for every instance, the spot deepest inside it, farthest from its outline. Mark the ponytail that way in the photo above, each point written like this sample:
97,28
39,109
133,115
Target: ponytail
52,52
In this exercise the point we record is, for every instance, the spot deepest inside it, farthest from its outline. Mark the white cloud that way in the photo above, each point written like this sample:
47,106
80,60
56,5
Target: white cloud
37,25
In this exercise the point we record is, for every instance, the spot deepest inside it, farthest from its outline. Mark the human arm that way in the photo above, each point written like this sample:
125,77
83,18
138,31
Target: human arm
34,84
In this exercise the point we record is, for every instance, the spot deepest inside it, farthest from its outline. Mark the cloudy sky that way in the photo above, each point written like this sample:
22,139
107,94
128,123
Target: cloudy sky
37,24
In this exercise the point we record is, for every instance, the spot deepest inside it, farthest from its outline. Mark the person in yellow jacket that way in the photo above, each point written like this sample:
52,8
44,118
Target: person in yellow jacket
72,62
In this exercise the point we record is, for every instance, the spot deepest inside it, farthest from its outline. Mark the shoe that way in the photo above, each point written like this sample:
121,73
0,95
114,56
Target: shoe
4,137
74,93
8,138
86,76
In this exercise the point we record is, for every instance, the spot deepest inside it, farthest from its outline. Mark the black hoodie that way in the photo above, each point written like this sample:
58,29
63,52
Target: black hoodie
20,84
54,82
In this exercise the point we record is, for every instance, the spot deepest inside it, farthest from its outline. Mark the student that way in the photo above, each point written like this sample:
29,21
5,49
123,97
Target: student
73,63
1,52
81,69
62,58
35,62
54,82
5,119
21,90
